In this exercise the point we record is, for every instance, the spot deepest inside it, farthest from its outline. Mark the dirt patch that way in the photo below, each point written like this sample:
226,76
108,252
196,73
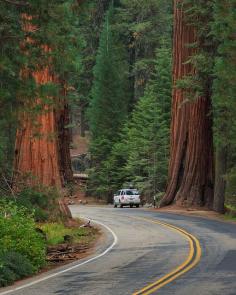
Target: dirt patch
65,253
80,145
80,198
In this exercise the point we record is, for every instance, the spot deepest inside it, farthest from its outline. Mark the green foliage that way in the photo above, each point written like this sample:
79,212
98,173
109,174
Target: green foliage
11,61
131,148
90,21
18,234
142,25
110,98
55,44
41,201
225,72
141,156
199,14
55,233
231,186
13,266
224,87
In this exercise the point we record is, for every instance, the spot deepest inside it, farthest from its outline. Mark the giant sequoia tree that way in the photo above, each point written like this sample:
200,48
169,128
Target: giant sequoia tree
191,161
36,149
42,140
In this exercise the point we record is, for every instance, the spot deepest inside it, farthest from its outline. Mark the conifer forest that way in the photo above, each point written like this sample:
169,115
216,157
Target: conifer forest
121,94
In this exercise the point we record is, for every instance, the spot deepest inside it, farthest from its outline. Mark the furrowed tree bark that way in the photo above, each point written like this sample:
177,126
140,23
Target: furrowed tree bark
220,182
190,180
64,137
42,141
36,148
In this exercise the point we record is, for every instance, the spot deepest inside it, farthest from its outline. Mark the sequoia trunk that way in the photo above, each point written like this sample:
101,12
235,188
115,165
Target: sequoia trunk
64,143
36,148
191,161
41,151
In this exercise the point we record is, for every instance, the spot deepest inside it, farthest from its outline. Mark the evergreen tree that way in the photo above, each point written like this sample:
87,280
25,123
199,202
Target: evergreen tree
109,103
141,156
11,61
90,23
142,25
224,98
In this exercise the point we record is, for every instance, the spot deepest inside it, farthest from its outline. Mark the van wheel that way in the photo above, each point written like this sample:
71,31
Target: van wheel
137,206
121,206
115,206
131,206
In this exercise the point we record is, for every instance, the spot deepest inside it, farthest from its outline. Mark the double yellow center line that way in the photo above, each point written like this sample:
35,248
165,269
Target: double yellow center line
193,258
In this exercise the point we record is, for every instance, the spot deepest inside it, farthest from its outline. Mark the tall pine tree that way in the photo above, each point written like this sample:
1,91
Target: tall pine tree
224,98
148,131
109,103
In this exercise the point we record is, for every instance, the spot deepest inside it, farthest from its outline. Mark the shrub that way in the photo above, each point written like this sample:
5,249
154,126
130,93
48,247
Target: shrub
18,234
14,266
40,200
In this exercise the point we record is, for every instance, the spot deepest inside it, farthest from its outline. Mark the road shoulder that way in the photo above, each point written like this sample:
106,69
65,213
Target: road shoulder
201,213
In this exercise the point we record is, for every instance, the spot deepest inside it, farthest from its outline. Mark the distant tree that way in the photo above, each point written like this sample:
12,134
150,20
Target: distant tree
90,21
11,60
109,102
142,25
146,136
224,97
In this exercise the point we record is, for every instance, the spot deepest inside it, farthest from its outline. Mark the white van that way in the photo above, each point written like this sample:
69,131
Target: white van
126,197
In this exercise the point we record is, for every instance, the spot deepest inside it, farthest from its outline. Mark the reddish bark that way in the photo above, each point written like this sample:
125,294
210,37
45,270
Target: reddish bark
36,148
191,161
41,150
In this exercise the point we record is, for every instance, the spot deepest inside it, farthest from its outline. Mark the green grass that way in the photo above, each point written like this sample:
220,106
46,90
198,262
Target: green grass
55,233
231,212
228,216
231,207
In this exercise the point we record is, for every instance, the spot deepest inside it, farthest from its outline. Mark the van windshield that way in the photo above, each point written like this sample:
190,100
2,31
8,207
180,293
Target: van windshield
131,192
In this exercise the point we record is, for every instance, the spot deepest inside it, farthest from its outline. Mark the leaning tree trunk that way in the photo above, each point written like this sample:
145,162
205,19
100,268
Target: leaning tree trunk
191,161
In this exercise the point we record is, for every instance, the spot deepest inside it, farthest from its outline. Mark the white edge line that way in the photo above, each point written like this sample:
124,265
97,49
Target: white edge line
72,267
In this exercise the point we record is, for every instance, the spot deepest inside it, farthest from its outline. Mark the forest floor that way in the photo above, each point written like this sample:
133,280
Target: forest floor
80,145
85,238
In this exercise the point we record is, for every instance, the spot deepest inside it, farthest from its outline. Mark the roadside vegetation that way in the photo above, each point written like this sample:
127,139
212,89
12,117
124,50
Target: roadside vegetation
29,224
23,249
57,232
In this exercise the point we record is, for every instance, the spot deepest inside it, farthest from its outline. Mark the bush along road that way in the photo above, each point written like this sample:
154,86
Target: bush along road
146,252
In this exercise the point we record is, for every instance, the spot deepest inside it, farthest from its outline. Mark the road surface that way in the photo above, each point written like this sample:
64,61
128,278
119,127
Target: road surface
142,253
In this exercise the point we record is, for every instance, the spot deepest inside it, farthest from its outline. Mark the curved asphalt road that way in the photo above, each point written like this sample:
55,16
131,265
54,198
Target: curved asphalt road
144,252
